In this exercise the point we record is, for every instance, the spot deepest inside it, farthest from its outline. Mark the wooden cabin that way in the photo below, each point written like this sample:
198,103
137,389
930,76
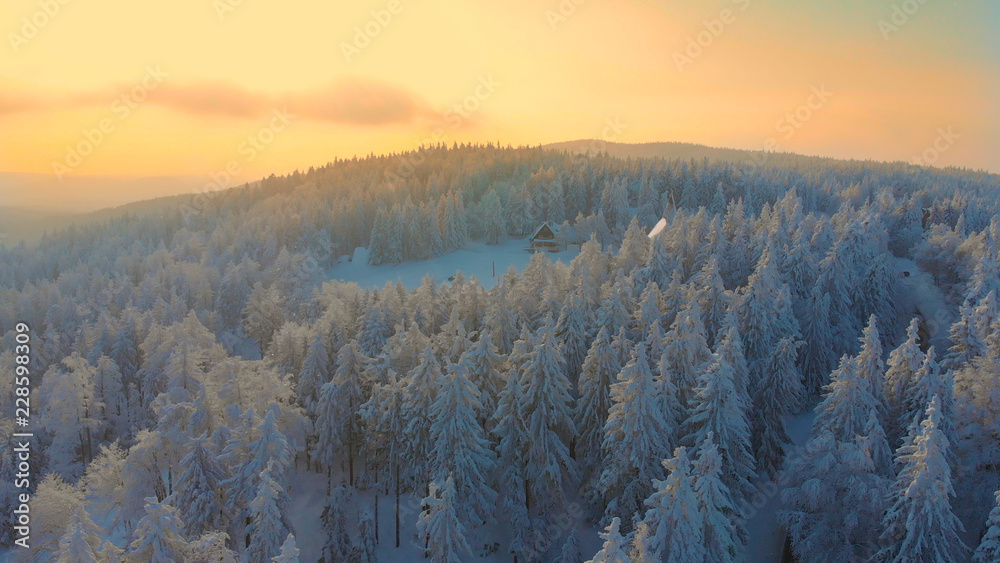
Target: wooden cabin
545,238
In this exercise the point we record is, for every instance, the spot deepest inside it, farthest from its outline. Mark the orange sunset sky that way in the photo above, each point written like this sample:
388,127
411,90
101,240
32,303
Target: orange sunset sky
202,79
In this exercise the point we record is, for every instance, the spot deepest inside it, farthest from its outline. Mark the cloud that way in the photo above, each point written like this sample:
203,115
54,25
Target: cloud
362,102
215,99
17,103
355,101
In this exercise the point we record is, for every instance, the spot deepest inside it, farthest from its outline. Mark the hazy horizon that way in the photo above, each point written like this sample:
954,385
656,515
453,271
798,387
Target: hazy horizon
49,195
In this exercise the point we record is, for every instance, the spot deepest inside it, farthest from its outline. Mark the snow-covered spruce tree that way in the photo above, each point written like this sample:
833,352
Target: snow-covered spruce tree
81,543
329,426
723,523
600,369
382,416
646,315
903,363
365,552
486,372
613,314
289,552
615,548
837,280
334,521
834,502
986,320
660,263
453,339
655,342
730,349
70,414
614,203
755,309
871,367
880,288
713,298
244,480
927,383
460,448
373,330
418,399
779,394
547,413
570,552
875,443
989,547
109,393
919,524
511,439
672,528
198,498
670,403
315,373
635,439
378,250
267,529
845,408
685,354
634,248
571,331
817,359
502,326
159,535
721,412
985,278
439,527
799,265
342,403
495,228
964,337
622,345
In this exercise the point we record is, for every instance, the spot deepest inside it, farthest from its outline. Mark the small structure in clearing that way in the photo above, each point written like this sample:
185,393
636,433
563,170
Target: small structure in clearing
658,228
545,238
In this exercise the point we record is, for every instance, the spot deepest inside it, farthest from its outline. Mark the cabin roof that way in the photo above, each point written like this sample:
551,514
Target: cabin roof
553,229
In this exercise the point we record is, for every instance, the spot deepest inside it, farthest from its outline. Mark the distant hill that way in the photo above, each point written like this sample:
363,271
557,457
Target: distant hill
28,224
687,151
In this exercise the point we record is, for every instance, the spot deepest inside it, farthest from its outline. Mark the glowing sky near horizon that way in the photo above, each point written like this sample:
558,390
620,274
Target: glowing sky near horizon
527,72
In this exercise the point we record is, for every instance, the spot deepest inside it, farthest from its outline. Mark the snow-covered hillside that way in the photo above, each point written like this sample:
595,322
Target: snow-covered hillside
210,386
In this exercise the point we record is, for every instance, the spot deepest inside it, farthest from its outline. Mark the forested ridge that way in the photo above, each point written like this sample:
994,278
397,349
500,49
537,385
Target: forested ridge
190,365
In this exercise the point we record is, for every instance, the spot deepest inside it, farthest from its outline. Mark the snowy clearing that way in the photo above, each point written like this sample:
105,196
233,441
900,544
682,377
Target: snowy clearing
476,259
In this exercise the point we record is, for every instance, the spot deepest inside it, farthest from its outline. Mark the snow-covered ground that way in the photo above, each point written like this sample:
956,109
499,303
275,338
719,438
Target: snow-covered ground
308,495
765,537
476,259
919,289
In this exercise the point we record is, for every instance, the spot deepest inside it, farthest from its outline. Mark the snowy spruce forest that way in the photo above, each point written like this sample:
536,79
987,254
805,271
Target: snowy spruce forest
801,366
